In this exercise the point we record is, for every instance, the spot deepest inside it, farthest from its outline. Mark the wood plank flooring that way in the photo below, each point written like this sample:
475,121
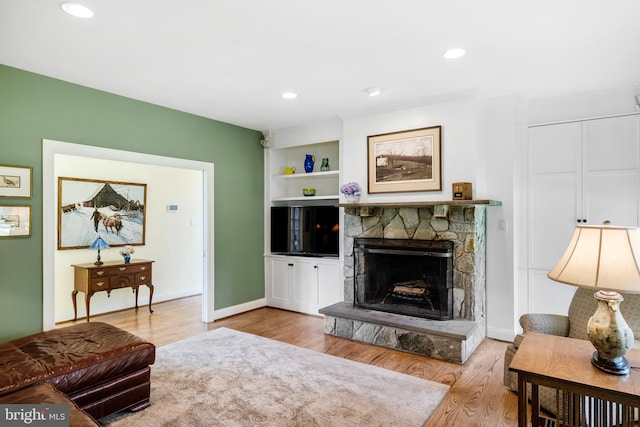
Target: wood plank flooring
477,396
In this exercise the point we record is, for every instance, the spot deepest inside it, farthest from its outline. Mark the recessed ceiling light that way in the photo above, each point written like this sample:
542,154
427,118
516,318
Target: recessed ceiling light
77,10
454,53
372,91
289,95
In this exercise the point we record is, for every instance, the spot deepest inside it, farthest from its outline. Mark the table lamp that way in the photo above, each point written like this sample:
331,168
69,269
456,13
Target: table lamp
98,244
606,259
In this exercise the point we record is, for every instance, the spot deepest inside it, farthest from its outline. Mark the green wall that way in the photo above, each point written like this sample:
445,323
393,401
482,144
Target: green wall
34,107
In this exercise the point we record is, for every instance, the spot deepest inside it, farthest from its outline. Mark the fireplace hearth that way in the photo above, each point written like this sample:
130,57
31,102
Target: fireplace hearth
410,277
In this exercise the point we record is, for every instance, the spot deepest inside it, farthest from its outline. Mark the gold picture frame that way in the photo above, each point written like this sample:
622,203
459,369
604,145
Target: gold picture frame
15,221
405,161
113,210
16,181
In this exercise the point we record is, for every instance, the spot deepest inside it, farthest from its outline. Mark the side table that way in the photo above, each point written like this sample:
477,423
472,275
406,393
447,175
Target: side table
90,278
586,396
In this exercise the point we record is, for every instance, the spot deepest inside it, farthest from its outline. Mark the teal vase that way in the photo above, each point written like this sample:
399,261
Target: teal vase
325,165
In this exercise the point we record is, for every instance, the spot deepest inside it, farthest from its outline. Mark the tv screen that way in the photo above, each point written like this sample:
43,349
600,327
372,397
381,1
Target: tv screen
305,230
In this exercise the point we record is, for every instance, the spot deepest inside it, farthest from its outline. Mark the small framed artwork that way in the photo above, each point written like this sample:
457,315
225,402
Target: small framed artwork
89,208
15,181
405,161
15,221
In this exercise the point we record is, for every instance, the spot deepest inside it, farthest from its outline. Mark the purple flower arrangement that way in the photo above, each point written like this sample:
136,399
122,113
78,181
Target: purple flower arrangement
350,189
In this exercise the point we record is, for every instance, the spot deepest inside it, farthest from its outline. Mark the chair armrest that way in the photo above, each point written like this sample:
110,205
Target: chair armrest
552,324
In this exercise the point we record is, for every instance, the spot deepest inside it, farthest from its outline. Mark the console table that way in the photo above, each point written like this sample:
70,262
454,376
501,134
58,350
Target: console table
90,278
587,396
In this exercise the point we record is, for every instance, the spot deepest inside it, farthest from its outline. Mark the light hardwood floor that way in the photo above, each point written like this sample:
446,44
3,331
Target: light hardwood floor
477,396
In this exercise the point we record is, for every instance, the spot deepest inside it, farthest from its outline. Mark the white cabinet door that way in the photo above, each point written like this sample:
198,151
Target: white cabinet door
279,282
579,173
554,191
304,286
610,171
330,283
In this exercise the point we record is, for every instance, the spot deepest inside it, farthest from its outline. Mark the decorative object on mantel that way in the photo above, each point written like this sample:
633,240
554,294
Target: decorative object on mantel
462,191
351,191
309,161
325,165
98,244
405,161
126,252
606,259
309,191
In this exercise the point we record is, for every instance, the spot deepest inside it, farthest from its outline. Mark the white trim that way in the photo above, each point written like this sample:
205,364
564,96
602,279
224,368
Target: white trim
501,334
561,122
240,308
50,149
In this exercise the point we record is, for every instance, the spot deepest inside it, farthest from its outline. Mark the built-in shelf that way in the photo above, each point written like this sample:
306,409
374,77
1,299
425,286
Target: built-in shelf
306,198
365,204
310,175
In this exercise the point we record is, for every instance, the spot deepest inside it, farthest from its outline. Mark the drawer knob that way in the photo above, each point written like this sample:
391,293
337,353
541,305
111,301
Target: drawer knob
143,277
100,283
123,268
143,268
100,273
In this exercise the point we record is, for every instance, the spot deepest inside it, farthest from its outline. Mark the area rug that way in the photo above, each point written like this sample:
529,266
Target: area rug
230,378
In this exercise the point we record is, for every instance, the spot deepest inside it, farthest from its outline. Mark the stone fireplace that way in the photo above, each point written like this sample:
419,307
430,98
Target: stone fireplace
463,228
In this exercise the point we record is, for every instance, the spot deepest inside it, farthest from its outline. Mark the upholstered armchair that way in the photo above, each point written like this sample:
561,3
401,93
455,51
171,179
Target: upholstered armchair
574,325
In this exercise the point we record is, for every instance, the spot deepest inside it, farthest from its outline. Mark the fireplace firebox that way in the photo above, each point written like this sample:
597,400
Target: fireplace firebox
410,277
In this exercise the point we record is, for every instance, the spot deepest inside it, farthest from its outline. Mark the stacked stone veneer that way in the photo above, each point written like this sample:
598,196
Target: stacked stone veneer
463,225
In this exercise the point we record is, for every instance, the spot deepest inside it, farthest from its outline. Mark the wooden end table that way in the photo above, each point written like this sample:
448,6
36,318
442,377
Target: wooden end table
90,278
587,395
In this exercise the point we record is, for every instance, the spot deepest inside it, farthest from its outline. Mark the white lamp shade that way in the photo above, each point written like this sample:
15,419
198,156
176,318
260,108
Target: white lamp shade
601,257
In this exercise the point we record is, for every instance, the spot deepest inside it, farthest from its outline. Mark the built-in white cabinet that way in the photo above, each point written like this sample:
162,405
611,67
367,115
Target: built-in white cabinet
287,187
302,284
583,172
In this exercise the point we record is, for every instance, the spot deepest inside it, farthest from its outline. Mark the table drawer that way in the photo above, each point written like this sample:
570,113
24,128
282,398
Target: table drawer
99,284
143,278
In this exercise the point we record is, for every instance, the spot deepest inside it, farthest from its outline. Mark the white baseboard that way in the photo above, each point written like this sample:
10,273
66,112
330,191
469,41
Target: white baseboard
501,334
240,308
110,307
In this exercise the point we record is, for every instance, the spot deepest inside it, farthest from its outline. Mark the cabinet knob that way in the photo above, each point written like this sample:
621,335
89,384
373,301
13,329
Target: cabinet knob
315,266
143,277
123,268
143,268
290,265
100,273
100,283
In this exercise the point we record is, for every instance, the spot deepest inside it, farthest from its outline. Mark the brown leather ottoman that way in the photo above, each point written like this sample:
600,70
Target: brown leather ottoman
46,393
103,369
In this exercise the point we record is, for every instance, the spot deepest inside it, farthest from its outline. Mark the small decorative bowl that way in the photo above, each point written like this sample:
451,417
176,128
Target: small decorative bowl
308,191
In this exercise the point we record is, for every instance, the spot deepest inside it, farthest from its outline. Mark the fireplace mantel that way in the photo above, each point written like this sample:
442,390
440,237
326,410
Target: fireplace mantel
367,204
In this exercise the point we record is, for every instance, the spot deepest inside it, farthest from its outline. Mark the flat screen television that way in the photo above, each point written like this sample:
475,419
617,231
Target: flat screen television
305,230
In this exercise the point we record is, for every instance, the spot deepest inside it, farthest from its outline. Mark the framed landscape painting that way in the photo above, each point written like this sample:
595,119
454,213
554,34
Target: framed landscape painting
405,161
88,208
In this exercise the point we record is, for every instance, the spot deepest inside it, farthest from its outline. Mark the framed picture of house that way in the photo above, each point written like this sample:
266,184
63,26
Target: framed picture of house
15,221
15,181
89,208
405,161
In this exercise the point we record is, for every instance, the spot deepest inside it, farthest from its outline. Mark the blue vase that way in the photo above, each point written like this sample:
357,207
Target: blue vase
309,160
127,259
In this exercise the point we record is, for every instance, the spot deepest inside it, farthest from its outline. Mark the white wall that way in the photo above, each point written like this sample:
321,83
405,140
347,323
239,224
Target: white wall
172,239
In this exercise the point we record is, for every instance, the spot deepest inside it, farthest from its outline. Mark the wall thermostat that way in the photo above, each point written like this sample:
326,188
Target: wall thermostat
172,208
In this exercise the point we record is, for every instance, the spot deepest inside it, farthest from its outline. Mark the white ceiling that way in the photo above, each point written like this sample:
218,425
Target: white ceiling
230,60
